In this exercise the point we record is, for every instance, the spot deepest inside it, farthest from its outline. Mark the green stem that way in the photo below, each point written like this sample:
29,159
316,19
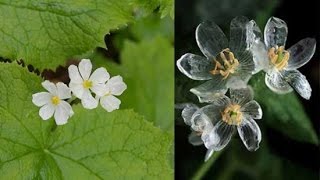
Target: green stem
206,166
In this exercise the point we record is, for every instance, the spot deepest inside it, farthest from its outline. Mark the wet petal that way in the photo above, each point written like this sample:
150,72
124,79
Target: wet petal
46,111
187,113
211,89
275,32
195,67
110,103
42,98
208,154
252,109
100,75
85,68
49,86
74,74
298,82
238,34
62,113
220,136
116,85
241,96
237,83
64,91
276,83
211,40
195,139
301,53
200,122
213,111
250,134
88,101
246,63
77,89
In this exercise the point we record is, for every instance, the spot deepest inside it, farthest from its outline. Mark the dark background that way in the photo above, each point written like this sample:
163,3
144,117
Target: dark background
279,157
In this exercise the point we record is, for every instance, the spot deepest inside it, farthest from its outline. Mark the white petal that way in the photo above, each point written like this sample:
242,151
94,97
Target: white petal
77,89
100,75
74,74
88,101
275,32
298,81
220,136
195,139
208,154
85,68
42,98
46,111
110,103
241,96
49,86
64,91
210,38
62,113
116,85
252,109
250,134
187,113
301,53
195,67
99,89
238,34
276,83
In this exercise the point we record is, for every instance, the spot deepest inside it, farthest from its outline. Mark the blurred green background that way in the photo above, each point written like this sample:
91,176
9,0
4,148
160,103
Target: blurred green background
290,125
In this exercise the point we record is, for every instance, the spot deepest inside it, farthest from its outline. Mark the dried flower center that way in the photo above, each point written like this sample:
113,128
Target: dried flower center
225,63
55,100
232,114
87,84
279,57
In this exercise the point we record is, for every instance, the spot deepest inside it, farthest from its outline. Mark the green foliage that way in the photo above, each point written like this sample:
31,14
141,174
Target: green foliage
94,144
166,7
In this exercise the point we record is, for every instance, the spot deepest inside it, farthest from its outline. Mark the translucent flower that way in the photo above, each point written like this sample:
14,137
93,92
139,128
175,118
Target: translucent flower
52,103
82,84
220,119
280,64
114,87
225,65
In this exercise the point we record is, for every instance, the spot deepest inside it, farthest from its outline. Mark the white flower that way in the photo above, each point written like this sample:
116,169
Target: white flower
114,87
52,103
279,64
227,64
82,84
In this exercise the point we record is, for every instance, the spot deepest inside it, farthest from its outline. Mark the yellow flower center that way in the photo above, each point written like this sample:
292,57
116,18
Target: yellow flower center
279,57
225,63
87,84
232,114
55,100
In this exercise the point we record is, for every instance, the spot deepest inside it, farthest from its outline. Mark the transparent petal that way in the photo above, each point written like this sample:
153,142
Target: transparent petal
77,89
200,122
46,111
301,53
276,83
74,74
99,89
220,136
62,113
246,64
116,85
42,98
110,103
49,86
85,68
237,83
88,101
195,139
241,96
238,34
100,75
187,113
298,82
275,32
250,134
252,109
208,154
64,91
211,89
213,111
195,67
210,38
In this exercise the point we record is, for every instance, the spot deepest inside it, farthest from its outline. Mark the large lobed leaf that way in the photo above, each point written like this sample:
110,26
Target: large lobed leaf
94,144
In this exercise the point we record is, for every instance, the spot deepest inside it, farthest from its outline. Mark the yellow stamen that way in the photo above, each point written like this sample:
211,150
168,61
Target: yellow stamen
230,63
279,57
55,100
87,84
232,114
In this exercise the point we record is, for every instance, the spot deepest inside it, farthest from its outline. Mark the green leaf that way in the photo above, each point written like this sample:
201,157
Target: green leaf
94,144
166,7
283,112
46,34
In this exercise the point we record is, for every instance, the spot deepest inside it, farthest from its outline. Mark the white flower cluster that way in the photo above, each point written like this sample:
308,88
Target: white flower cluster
84,86
228,65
